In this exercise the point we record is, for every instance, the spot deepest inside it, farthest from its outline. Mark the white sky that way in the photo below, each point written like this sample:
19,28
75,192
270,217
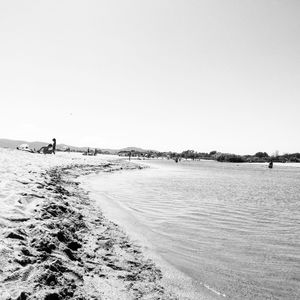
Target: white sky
165,75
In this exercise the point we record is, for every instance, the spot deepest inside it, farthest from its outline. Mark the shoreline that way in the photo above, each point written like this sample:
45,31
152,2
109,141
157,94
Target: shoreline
67,249
176,280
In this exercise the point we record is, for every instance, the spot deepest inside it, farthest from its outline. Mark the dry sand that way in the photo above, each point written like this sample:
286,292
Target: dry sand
56,244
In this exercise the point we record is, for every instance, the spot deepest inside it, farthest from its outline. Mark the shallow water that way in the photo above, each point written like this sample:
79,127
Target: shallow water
232,228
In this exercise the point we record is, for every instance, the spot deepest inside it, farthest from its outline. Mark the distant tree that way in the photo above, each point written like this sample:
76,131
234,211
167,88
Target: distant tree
261,154
294,159
188,154
212,153
231,158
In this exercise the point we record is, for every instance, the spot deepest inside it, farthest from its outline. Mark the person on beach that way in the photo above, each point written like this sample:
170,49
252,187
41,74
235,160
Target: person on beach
46,149
50,149
54,145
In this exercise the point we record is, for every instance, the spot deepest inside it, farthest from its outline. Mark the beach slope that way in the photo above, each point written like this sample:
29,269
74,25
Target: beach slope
56,244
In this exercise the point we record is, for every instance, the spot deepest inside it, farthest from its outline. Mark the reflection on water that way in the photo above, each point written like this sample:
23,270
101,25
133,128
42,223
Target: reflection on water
232,227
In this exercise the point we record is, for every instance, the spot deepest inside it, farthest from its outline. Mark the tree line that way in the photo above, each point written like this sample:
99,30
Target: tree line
221,157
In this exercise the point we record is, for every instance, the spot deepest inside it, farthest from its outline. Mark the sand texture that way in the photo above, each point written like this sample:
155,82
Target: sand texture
56,244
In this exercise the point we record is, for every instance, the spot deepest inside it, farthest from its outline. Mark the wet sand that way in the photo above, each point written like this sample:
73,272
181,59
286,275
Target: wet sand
56,243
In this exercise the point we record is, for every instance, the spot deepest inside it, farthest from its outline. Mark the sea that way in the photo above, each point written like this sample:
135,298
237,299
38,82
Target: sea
232,229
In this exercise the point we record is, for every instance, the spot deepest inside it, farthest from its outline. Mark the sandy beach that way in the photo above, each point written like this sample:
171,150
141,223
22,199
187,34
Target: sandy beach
56,243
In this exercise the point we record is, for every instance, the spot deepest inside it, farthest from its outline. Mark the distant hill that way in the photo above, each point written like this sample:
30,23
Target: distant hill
12,144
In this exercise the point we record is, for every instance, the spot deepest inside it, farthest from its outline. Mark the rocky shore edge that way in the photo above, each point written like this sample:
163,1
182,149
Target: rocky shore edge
67,249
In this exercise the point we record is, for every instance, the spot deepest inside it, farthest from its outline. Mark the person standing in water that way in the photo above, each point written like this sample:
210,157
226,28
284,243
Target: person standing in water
271,164
54,145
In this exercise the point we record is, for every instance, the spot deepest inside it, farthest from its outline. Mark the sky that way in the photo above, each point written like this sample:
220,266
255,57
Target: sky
160,74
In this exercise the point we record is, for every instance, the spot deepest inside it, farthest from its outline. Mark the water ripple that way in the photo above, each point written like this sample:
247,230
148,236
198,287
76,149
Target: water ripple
234,228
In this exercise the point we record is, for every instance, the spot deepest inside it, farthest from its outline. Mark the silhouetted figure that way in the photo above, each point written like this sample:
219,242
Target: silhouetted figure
46,149
54,145
129,155
271,164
